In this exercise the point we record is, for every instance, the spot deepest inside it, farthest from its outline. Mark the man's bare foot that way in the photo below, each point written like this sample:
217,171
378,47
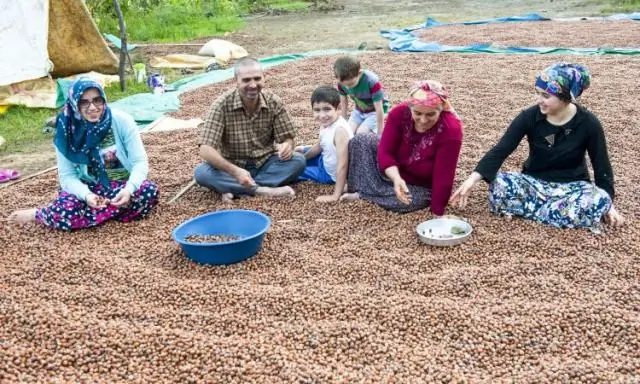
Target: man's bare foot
227,197
275,192
24,216
350,196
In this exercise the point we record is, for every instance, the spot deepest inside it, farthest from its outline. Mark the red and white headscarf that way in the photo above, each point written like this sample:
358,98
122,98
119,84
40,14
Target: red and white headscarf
430,94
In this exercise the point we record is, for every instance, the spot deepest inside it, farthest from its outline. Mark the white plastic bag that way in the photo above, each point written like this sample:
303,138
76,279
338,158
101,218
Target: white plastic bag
222,50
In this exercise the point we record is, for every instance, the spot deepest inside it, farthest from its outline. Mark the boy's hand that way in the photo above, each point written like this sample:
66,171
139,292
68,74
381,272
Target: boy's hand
327,199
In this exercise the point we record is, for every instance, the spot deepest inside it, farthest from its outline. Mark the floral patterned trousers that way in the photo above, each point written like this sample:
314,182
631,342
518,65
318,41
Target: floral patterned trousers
578,204
68,212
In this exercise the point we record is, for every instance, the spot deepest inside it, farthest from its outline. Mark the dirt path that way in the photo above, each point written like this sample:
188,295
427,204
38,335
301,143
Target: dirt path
351,26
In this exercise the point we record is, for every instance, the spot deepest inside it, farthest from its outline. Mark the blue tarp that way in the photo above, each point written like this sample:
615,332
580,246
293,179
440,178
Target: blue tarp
117,42
416,45
403,40
624,16
430,23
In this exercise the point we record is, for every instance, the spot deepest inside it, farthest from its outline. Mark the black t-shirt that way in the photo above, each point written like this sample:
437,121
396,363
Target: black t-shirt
556,153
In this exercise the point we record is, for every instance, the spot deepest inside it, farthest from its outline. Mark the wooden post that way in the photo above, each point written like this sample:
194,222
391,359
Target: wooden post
123,44
183,191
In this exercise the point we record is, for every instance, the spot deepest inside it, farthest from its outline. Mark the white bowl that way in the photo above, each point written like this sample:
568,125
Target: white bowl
438,232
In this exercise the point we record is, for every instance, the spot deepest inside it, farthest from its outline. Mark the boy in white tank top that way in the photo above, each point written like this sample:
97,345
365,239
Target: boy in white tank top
328,160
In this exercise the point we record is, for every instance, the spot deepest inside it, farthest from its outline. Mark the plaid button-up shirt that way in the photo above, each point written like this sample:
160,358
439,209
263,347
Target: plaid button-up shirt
241,138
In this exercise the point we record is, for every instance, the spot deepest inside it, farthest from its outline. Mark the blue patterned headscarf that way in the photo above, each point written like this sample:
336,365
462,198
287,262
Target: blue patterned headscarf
563,78
78,139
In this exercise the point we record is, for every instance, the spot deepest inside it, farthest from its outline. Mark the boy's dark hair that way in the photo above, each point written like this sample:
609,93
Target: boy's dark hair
346,67
327,94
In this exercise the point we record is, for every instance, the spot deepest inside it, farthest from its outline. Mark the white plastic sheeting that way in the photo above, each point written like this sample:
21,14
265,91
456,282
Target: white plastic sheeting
24,26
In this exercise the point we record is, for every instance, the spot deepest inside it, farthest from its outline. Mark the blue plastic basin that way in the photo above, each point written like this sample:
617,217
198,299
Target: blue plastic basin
250,226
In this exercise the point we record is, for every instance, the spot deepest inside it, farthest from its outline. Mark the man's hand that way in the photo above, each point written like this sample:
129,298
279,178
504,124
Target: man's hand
244,178
285,150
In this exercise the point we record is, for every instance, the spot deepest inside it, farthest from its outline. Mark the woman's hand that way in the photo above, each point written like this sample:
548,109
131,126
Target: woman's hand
97,202
402,191
122,198
614,218
461,195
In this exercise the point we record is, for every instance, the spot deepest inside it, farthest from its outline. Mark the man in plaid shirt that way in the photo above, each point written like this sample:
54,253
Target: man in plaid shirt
247,143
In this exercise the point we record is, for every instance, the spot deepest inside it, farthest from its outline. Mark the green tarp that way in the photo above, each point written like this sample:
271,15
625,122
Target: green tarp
147,107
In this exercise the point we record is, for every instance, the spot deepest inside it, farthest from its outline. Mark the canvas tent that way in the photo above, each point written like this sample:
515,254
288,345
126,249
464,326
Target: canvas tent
42,38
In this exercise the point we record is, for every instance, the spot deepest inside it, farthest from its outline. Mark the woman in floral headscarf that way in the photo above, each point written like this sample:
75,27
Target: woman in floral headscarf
102,165
554,187
413,165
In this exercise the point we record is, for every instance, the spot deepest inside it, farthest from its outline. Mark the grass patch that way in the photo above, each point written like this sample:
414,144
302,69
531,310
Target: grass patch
618,6
172,24
114,93
183,22
21,127
291,5
284,5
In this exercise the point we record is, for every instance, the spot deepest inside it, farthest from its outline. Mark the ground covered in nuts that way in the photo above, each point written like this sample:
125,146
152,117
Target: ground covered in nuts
563,34
343,292
199,238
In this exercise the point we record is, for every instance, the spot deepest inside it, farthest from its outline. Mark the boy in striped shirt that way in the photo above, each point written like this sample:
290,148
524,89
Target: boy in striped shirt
367,93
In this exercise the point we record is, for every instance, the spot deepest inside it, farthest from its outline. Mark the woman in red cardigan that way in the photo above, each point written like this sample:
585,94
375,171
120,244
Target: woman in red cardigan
414,163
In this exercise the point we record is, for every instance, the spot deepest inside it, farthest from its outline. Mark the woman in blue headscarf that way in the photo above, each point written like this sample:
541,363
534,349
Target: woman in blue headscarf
102,165
554,186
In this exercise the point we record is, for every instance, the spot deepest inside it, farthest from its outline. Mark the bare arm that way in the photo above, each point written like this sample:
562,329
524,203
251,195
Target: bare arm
341,141
313,152
393,173
213,157
379,115
344,106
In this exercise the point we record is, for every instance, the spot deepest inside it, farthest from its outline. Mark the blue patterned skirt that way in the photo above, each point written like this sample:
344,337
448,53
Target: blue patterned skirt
578,204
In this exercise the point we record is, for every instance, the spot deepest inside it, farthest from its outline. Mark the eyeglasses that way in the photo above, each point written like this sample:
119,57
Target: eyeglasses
98,102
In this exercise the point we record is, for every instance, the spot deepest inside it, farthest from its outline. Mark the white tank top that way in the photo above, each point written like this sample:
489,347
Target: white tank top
329,152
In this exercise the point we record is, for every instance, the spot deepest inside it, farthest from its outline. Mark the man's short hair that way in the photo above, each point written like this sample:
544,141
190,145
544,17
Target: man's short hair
245,62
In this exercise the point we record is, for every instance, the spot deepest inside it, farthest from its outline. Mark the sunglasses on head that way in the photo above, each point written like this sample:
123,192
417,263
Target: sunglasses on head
96,101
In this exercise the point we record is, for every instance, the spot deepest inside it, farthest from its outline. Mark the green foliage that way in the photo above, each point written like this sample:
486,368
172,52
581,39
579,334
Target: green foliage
180,20
618,6
22,126
254,6
166,24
